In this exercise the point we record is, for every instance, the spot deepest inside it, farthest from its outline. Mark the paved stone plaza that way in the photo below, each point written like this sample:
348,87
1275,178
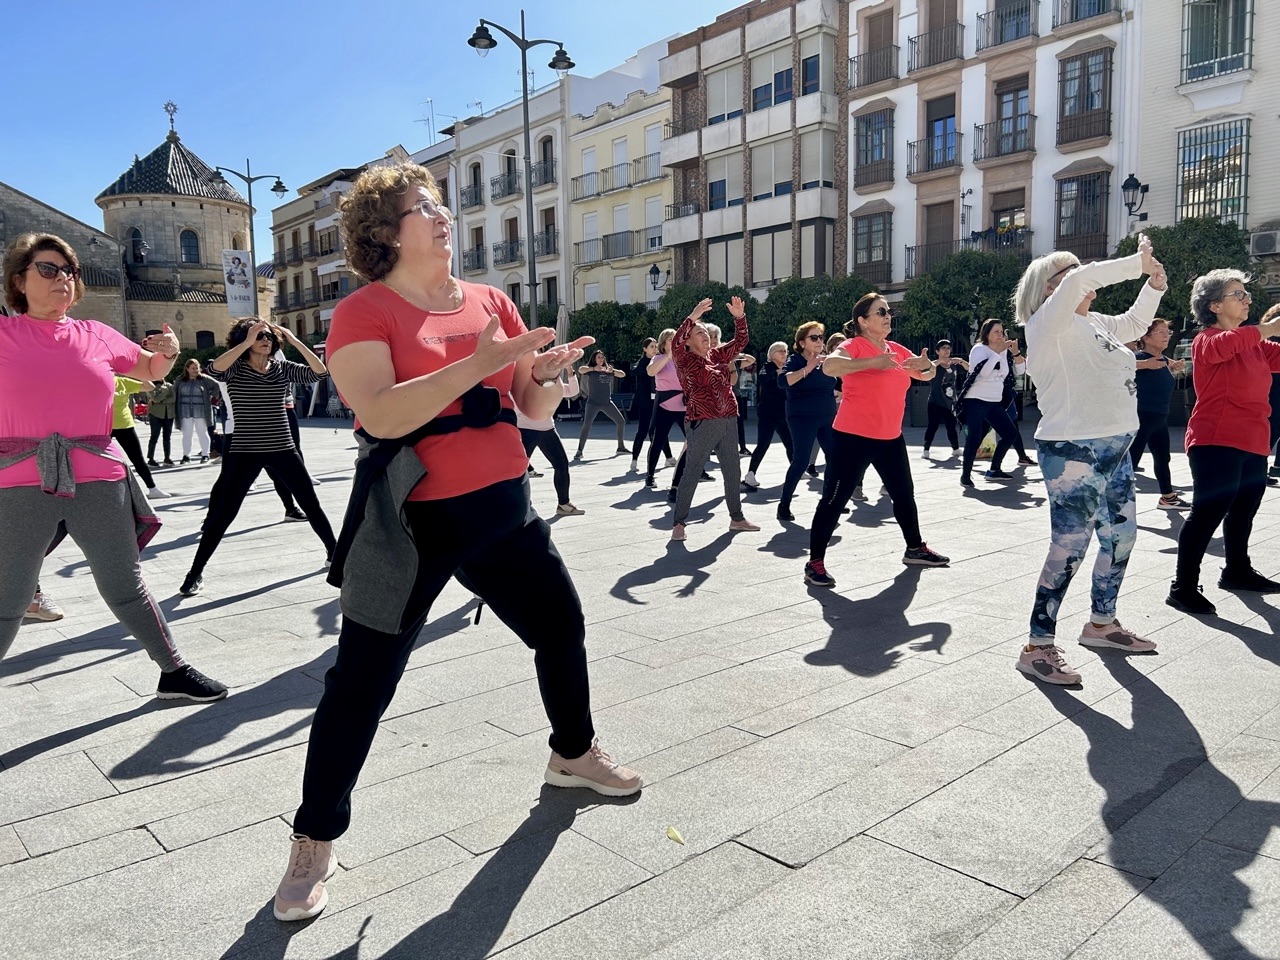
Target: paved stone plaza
855,773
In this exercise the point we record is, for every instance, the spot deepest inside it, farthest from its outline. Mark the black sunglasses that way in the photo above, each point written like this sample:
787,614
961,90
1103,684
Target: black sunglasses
816,336
50,270
265,335
882,312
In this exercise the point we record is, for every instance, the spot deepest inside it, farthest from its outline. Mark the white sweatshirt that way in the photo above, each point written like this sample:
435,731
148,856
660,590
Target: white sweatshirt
570,390
989,383
1083,372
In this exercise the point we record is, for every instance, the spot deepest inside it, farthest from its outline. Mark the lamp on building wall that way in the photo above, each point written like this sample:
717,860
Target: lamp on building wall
483,41
1135,194
656,279
278,188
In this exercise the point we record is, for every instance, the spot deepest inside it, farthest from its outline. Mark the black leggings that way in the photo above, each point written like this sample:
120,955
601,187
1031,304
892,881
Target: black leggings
239,470
479,537
978,414
766,426
940,416
282,491
804,431
1227,487
127,437
1002,445
548,441
663,421
643,409
1153,435
847,462
742,423
160,427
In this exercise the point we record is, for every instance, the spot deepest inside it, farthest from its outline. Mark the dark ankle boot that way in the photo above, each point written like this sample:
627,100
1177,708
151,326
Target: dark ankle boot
1189,598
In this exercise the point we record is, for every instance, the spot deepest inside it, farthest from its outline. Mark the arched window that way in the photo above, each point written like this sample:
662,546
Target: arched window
189,244
137,252
509,162
546,148
205,340
237,242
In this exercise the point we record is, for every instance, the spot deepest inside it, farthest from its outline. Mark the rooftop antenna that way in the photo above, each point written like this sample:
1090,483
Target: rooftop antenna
430,120
478,104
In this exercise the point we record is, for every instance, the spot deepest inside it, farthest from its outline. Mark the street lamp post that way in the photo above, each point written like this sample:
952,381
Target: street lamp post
278,188
142,247
482,40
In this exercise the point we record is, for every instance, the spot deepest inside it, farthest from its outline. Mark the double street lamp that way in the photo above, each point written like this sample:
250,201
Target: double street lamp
278,188
483,41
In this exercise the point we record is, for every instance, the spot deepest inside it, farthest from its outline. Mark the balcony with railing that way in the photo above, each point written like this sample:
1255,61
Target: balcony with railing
281,302
935,47
546,243
648,167
505,185
1009,137
682,125
309,250
1007,23
1074,11
650,238
618,246
1084,126
878,272
874,67
471,196
937,153
685,208
1011,240
311,296
508,251
924,257
873,171
543,173
327,206
278,259
295,299
293,255
473,260
617,177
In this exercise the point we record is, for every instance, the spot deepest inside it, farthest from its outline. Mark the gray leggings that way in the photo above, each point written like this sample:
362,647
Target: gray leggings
611,411
99,518
704,437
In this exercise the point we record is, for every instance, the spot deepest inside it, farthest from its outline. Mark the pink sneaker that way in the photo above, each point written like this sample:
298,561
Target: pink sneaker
301,893
743,526
595,770
1046,664
1114,637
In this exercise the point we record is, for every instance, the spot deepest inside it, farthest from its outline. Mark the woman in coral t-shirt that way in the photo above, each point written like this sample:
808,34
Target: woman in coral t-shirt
875,373
405,351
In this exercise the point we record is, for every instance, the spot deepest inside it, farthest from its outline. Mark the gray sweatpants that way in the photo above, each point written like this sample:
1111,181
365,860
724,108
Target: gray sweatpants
99,518
701,438
610,410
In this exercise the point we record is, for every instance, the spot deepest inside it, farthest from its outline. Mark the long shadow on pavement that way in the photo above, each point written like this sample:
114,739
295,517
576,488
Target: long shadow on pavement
1136,765
677,562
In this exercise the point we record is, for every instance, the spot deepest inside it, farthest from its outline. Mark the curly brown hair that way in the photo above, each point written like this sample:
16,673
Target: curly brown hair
19,256
240,331
803,331
371,216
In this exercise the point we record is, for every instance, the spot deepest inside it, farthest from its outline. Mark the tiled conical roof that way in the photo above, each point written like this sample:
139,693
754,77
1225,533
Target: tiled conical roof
171,169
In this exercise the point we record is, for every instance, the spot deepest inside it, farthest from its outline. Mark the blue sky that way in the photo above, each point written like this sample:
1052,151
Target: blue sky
297,87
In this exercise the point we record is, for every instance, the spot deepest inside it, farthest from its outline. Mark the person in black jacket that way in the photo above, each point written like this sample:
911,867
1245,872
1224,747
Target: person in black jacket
811,406
771,412
942,395
642,402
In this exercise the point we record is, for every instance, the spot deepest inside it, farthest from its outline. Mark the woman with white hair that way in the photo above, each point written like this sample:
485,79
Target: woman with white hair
1227,436
1085,377
771,409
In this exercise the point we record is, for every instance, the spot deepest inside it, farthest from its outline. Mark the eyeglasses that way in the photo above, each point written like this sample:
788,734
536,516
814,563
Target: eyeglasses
50,270
816,336
882,312
264,335
429,208
1244,296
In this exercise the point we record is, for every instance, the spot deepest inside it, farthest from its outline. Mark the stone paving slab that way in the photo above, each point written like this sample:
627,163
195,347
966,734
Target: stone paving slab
850,769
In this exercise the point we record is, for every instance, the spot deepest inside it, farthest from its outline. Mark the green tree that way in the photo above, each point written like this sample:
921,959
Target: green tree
680,299
1188,249
619,329
796,300
957,294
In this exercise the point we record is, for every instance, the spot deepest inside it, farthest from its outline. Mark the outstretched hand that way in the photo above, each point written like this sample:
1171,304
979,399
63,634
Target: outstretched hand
165,343
920,364
702,309
1150,264
550,363
492,353
737,309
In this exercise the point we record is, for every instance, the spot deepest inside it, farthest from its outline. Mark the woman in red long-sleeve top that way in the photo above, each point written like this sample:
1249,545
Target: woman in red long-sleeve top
1228,437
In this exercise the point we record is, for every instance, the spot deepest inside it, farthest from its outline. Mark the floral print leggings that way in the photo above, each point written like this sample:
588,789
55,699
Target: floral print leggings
1091,491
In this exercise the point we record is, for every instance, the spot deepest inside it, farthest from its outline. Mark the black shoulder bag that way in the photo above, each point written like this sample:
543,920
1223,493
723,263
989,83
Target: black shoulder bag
957,405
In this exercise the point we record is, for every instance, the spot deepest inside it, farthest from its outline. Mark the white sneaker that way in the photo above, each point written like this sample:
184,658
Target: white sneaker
42,608
635,466
750,479
671,462
155,493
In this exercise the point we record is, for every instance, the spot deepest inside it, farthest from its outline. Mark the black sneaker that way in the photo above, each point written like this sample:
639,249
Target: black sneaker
705,477
966,481
152,463
1250,580
1189,599
650,482
186,459
815,574
204,458
997,475
168,463
785,514
812,470
922,556
292,515
188,683
191,586
671,495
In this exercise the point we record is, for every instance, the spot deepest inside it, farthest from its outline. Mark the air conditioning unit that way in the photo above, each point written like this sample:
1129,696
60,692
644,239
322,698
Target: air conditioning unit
1265,243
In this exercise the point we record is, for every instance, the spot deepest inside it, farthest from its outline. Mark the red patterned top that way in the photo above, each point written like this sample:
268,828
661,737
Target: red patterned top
708,394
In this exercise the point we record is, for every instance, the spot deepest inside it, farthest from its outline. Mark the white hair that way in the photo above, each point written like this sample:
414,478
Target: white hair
1211,288
1030,295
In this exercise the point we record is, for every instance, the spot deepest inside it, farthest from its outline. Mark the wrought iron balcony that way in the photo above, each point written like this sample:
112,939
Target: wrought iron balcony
941,152
295,299
686,208
876,171
278,259
1073,11
546,243
1005,138
293,255
597,182
874,66
681,125
1015,240
936,46
1084,126
879,272
1009,22
309,250
648,167
508,251
543,172
281,302
473,260
471,196
505,185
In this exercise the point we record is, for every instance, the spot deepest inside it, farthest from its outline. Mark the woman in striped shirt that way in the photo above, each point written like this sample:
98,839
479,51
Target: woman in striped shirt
257,385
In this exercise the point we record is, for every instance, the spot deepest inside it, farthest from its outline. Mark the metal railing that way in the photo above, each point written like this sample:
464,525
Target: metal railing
648,167
1012,21
1004,138
471,196
295,299
877,171
327,207
681,125
311,296
924,257
593,184
546,243
293,255
508,251
505,185
650,238
940,152
936,46
686,208
1086,246
473,260
874,66
278,259
618,246
309,250
543,172
1073,11
281,302
1084,126
879,272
